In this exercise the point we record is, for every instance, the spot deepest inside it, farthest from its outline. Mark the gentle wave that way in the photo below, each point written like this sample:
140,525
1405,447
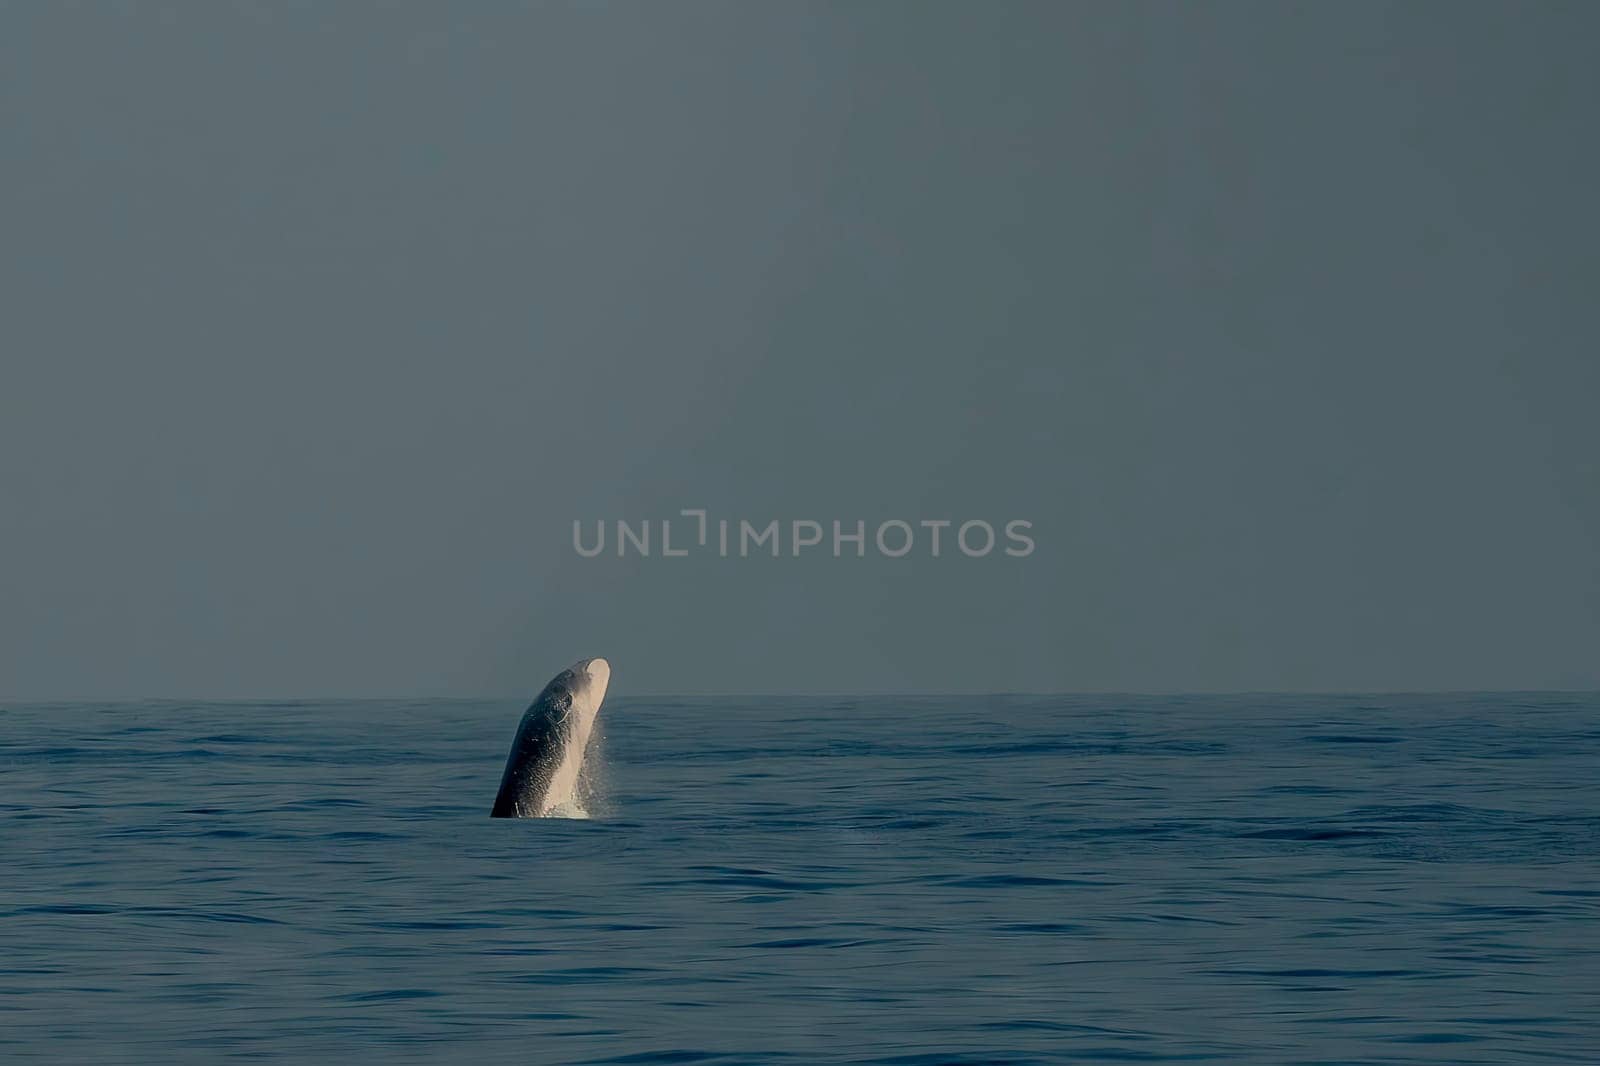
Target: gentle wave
909,880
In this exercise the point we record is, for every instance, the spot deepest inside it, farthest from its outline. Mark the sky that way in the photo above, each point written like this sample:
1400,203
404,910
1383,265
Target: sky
321,324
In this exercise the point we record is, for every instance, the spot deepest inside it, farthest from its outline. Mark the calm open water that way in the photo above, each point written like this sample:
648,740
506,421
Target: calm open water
876,879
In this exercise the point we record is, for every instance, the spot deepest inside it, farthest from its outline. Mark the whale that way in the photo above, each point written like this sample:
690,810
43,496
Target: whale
547,753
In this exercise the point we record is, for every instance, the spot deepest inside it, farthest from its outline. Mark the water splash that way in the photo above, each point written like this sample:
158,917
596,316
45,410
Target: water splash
590,795
569,809
585,796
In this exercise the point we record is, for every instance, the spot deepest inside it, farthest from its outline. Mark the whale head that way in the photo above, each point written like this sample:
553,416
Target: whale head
547,754
585,684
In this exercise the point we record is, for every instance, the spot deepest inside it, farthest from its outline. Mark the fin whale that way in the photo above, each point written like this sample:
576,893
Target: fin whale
547,753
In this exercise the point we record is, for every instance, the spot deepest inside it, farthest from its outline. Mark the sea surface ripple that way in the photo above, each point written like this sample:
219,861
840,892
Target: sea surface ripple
875,879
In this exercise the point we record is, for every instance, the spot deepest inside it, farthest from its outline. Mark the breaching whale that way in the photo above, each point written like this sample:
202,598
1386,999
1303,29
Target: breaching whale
542,770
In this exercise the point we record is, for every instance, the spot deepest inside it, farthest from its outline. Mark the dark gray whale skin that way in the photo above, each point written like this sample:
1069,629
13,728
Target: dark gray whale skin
545,735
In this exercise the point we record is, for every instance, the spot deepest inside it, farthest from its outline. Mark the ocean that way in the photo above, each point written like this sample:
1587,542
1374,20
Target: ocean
873,879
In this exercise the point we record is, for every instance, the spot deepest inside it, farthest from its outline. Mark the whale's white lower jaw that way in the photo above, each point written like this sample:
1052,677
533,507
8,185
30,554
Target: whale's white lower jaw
562,791
561,795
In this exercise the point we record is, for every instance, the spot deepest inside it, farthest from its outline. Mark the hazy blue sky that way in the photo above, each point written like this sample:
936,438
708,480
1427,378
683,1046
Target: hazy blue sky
321,322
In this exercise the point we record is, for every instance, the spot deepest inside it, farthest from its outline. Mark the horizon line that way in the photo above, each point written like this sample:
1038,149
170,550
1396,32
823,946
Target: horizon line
829,694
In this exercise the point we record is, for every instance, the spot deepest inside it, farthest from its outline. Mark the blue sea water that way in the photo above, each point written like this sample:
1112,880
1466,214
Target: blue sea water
1245,879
